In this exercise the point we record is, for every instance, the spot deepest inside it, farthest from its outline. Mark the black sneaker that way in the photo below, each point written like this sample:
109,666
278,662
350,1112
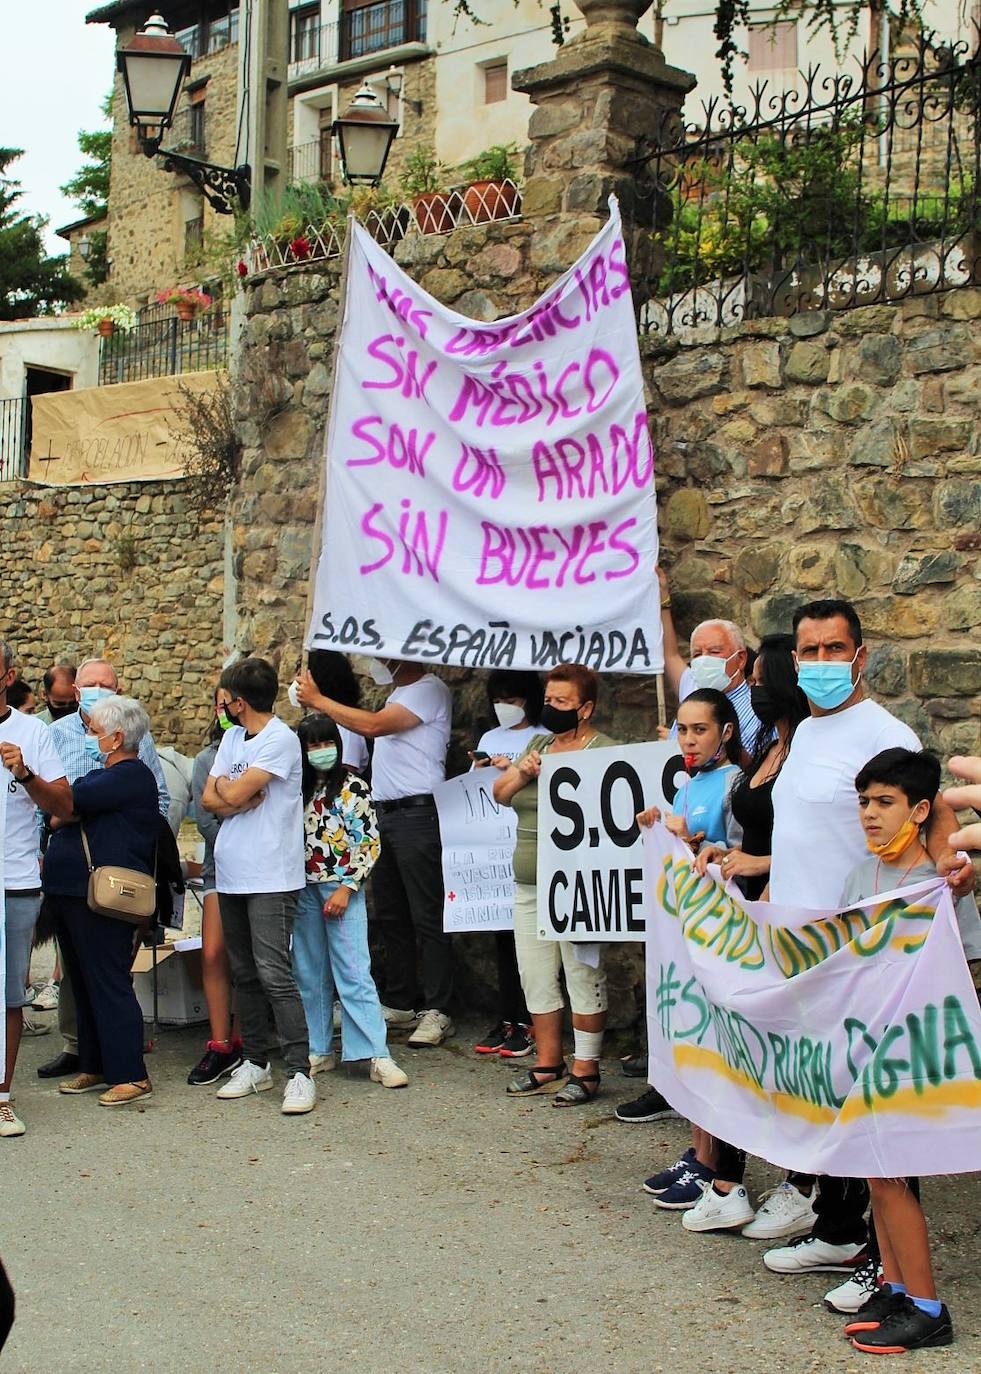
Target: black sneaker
873,1310
906,1327
213,1064
520,1041
491,1042
650,1106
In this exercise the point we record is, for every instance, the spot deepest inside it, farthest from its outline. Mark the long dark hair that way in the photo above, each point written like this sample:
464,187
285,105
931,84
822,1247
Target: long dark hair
779,677
216,732
723,713
334,676
318,729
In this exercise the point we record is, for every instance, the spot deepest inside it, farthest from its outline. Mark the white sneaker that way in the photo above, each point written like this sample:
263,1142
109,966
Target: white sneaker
10,1122
849,1296
433,1028
785,1212
247,1078
394,1017
300,1095
46,997
386,1072
808,1254
33,1025
322,1063
719,1211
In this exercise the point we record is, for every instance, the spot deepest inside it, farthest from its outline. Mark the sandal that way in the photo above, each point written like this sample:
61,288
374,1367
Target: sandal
526,1083
575,1092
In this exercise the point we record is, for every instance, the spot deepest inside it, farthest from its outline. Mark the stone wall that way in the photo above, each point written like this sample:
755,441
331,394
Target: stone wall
117,571
796,458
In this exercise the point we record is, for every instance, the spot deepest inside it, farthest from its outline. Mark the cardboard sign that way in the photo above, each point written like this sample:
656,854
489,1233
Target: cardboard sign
591,882
477,835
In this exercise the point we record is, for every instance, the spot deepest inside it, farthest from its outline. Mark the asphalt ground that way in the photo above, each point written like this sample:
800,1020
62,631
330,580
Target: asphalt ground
439,1228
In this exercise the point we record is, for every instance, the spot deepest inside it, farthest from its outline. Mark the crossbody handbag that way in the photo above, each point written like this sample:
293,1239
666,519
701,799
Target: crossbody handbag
125,894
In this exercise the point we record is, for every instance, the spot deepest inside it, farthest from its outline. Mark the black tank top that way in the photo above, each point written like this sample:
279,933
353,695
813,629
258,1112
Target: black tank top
752,807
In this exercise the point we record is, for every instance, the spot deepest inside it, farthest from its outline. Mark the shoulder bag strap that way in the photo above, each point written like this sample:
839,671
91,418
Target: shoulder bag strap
85,847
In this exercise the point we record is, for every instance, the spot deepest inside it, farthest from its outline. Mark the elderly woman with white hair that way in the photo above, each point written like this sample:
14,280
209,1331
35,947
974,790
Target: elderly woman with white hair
117,805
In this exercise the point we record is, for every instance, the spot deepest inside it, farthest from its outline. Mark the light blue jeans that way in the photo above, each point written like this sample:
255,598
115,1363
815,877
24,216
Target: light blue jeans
331,952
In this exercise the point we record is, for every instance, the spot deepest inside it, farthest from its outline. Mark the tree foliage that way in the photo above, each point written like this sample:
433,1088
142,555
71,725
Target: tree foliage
89,187
31,282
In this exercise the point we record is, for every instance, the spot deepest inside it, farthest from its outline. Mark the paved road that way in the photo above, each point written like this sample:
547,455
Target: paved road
442,1228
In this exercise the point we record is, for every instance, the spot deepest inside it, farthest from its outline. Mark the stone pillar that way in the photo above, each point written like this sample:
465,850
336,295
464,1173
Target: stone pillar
600,102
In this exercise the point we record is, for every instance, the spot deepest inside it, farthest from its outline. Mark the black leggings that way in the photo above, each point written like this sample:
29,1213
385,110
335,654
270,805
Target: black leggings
6,1306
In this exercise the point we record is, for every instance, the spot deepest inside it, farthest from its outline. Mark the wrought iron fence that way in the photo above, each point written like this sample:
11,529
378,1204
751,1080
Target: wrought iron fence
13,438
164,347
373,28
845,191
311,161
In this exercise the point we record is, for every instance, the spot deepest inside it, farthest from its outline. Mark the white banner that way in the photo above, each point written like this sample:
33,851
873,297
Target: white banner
477,836
490,487
6,782
832,1042
591,883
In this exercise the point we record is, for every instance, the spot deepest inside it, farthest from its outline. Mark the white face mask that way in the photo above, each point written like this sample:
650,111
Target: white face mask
293,692
508,715
380,673
709,670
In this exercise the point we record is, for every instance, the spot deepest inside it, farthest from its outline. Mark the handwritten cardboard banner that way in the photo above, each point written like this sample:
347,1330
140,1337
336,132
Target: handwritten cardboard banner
490,487
124,433
832,1042
591,883
477,835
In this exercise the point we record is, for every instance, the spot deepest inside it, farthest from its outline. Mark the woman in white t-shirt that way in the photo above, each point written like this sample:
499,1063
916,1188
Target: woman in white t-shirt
516,700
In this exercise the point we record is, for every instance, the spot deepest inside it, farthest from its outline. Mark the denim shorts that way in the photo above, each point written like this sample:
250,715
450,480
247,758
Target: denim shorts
22,910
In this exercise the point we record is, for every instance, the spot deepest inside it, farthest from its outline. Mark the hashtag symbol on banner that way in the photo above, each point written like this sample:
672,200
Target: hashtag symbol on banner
665,1001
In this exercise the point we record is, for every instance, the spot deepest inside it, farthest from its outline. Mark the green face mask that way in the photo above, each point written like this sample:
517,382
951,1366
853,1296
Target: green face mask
323,759
225,720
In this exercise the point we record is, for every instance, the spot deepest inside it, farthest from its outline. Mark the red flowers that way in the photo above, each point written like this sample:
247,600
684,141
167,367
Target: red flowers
301,248
241,268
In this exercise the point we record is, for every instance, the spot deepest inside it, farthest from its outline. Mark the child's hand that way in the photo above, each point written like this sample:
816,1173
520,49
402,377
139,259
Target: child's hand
709,854
336,903
648,817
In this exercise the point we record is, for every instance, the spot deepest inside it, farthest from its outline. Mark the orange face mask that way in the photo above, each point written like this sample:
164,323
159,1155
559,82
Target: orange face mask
891,850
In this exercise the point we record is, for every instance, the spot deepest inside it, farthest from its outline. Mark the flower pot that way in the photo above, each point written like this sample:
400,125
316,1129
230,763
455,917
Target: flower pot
186,310
487,200
436,211
105,328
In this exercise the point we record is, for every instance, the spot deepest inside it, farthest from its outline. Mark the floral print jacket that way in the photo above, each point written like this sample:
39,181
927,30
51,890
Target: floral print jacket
341,835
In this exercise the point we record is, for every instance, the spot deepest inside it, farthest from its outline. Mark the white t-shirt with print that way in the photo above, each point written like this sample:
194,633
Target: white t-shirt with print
817,836
262,850
414,760
504,739
21,871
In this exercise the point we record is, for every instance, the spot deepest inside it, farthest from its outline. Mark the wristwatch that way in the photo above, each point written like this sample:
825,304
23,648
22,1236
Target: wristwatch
29,776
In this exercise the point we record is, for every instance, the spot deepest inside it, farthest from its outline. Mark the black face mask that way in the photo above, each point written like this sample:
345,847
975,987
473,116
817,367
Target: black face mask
558,722
764,707
59,712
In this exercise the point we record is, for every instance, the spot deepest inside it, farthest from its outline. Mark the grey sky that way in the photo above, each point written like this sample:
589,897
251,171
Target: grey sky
56,71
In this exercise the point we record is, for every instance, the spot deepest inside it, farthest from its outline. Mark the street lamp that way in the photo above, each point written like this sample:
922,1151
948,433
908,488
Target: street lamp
365,132
154,65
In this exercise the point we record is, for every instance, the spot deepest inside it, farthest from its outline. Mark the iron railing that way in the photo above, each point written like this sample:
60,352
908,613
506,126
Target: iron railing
164,347
361,32
202,39
311,161
189,131
842,192
13,438
311,49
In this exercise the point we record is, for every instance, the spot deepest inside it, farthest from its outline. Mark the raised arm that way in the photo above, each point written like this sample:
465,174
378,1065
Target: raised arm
674,664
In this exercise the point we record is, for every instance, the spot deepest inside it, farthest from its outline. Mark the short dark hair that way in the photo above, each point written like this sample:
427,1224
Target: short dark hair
915,772
826,609
334,676
58,670
724,713
254,680
18,692
512,682
577,675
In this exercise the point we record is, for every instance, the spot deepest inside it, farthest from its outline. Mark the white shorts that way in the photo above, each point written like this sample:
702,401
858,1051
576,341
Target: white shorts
539,962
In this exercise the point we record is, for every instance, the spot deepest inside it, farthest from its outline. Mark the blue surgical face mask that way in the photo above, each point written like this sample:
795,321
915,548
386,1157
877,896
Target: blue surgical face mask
91,747
826,684
88,696
323,759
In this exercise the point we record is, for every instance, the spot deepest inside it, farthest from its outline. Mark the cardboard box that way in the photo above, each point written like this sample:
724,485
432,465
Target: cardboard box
180,993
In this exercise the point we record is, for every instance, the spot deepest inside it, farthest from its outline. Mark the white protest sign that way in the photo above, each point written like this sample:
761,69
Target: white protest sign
6,782
477,836
832,1042
590,858
490,487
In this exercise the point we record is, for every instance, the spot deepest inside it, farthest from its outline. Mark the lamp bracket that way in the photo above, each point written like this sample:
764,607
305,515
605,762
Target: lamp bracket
219,185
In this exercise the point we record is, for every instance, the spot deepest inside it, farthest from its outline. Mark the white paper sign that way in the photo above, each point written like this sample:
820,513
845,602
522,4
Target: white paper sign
490,487
6,781
590,858
477,835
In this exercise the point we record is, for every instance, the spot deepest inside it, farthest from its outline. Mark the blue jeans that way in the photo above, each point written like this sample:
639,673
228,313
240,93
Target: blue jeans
332,952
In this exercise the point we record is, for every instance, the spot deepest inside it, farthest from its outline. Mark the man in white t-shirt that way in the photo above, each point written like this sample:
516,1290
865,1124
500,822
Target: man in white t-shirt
255,786
411,733
31,776
817,840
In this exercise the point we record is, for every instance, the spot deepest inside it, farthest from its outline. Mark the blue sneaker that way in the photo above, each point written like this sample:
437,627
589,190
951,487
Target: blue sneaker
658,1182
687,1188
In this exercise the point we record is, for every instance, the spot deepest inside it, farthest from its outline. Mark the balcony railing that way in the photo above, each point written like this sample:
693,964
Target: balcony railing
13,438
361,32
310,161
201,39
164,348
189,131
